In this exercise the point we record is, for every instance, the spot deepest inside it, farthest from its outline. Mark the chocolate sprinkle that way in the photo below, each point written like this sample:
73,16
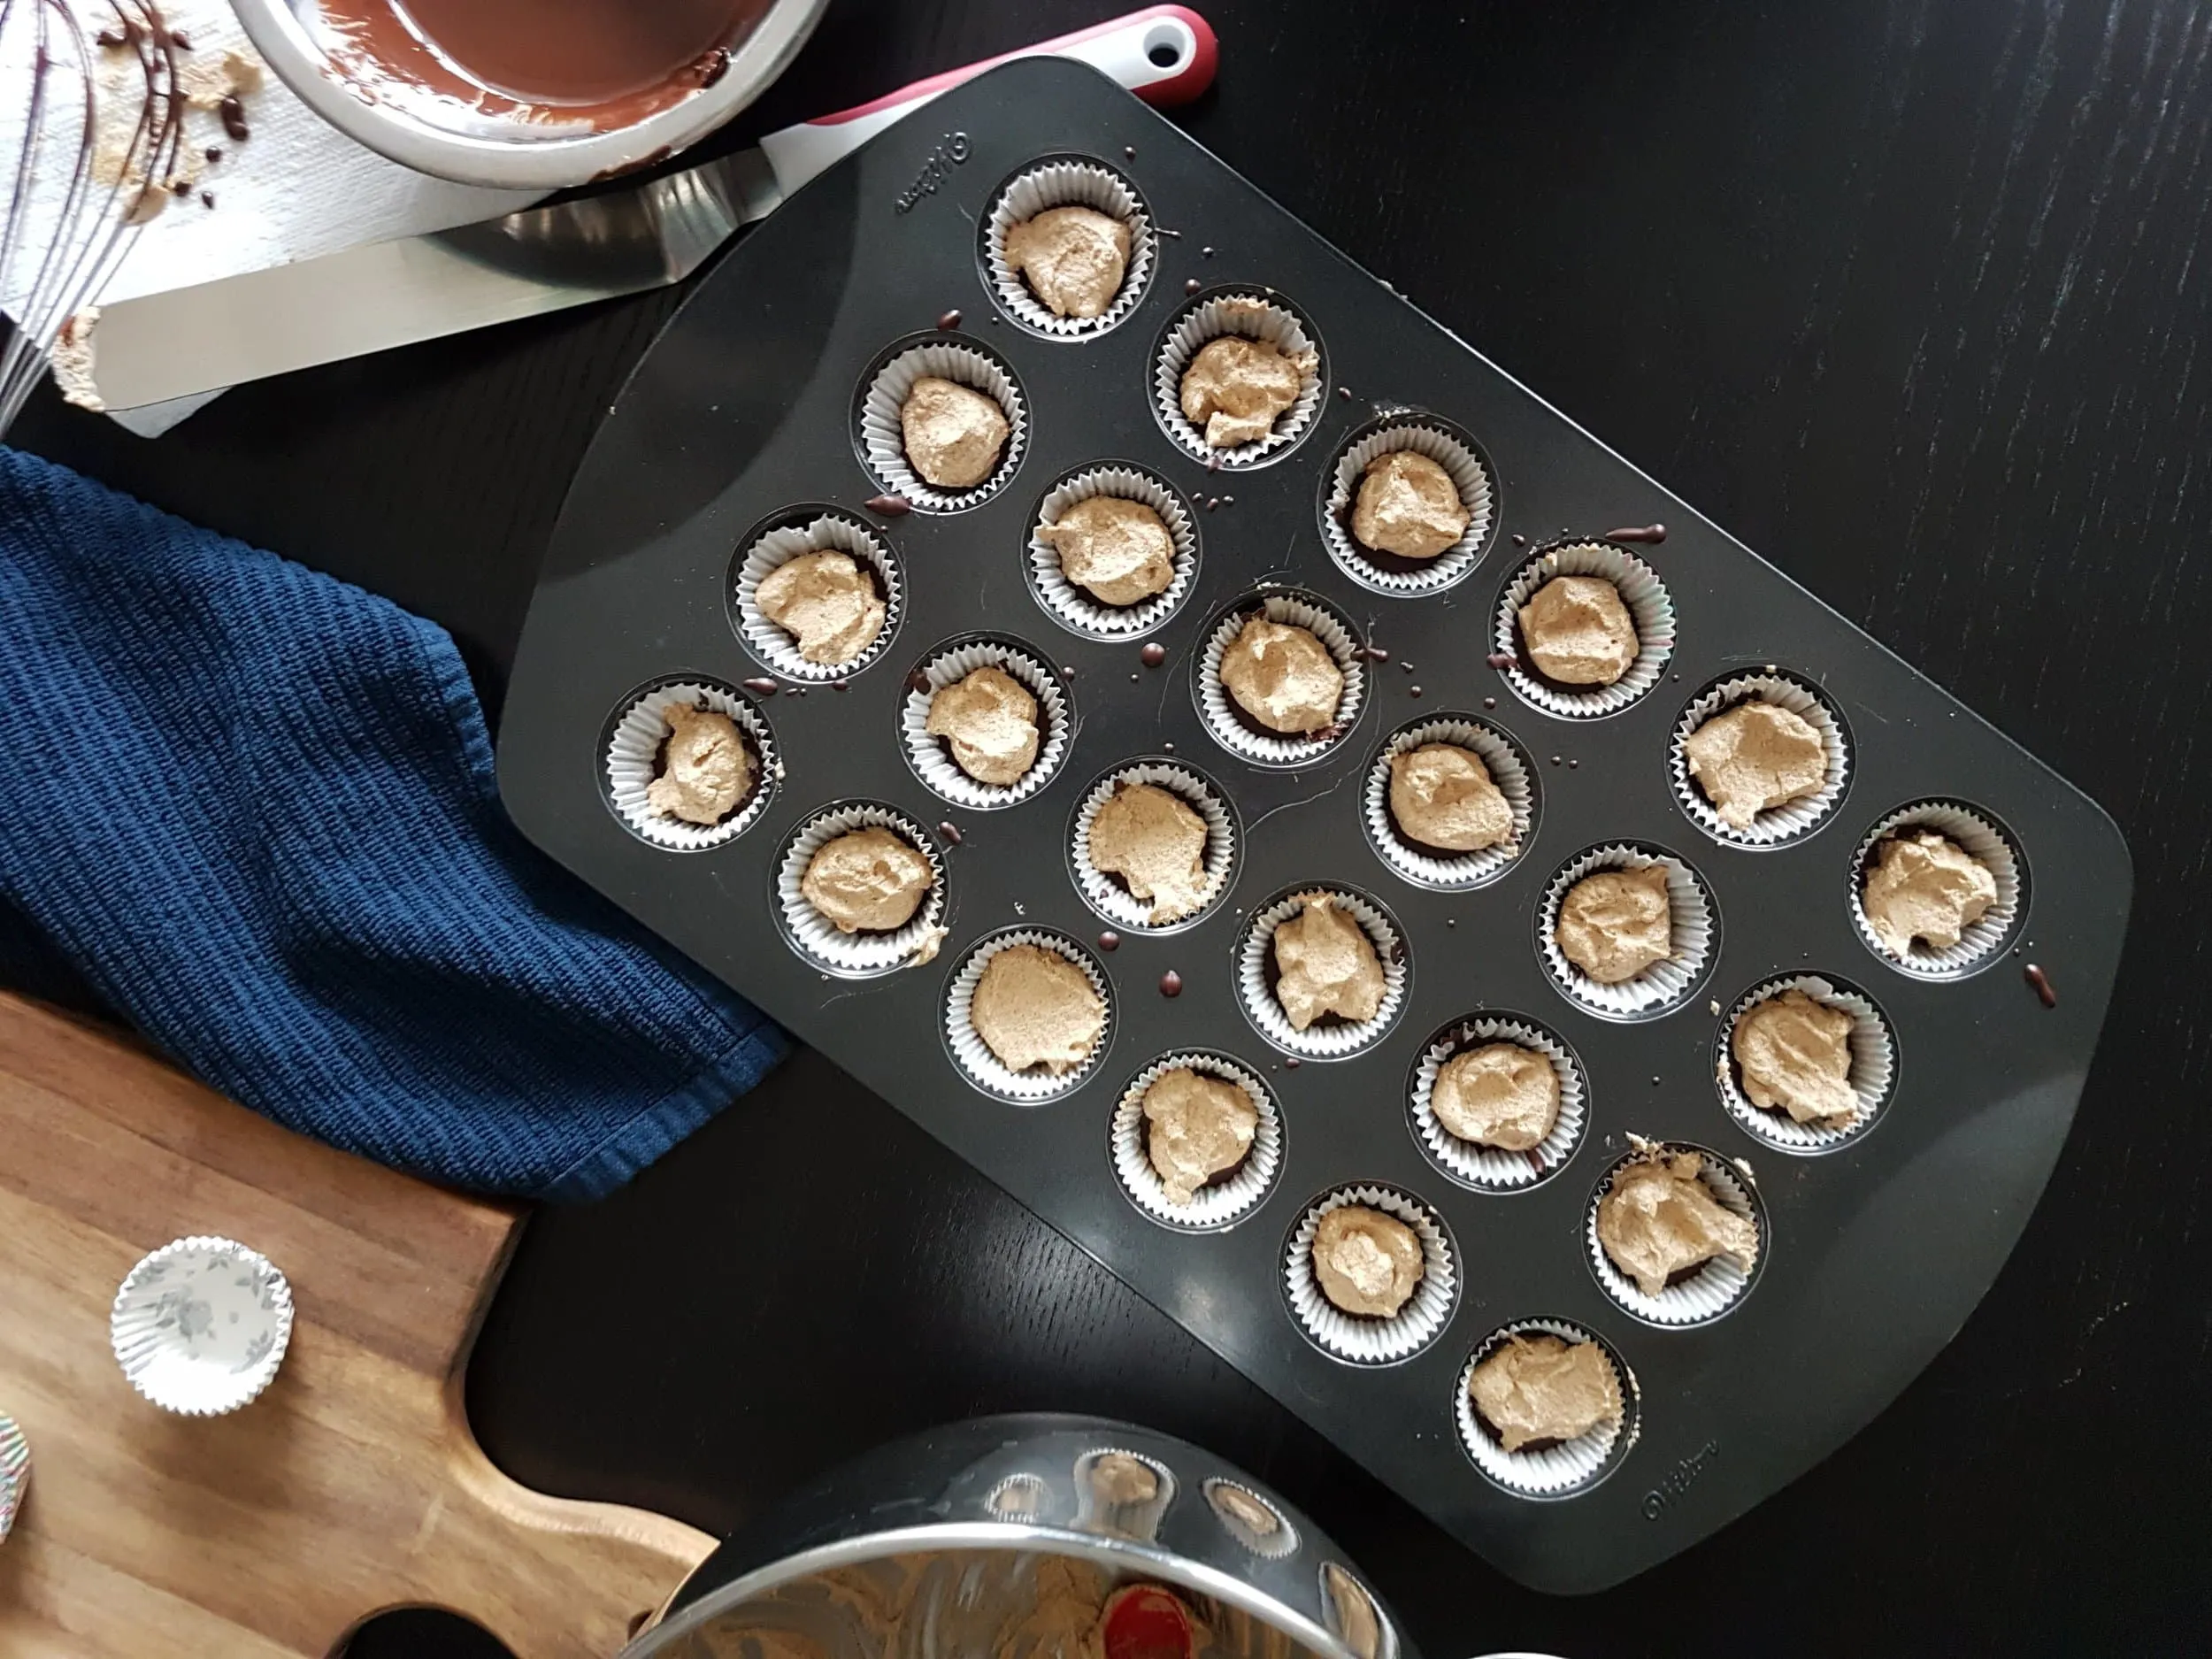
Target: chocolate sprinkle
234,114
1344,392
1212,501
213,152
2044,990
950,320
1176,235
888,506
1206,253
1489,702
207,198
1638,532
1503,660
1109,941
1130,151
950,831
767,687
1413,691
1519,540
1408,667
1153,654
1191,285
1292,1064
1555,760
1171,983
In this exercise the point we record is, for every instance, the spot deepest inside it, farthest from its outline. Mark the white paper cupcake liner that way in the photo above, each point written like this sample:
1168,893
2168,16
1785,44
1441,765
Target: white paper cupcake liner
1365,1340
1493,1168
1256,315
859,955
1320,1041
1222,1496
1096,1514
1295,610
1664,986
1076,607
1714,1288
633,759
1444,447
15,1474
826,533
929,756
1648,606
1996,851
1067,183
1874,1067
884,442
201,1326
1777,824
1017,1498
1106,894
1571,1467
984,1068
1510,769
1225,1200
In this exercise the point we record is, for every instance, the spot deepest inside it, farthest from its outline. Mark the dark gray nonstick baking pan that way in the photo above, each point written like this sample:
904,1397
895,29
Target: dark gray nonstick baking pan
749,414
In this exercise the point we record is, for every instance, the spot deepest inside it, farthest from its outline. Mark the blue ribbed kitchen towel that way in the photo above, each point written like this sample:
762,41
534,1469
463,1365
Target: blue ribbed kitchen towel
253,807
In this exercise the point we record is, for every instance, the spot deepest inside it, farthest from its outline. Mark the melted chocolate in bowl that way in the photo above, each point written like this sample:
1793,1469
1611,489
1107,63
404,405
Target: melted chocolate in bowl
596,64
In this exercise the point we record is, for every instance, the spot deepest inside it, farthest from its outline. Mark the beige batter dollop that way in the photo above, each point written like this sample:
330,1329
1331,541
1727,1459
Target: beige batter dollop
1755,756
1119,551
705,767
1117,1477
1795,1054
1072,257
1157,845
1033,1006
1238,1505
1924,885
1614,924
826,602
1441,796
1660,1219
1326,965
1282,676
1235,388
1500,1095
1196,1127
1408,506
1368,1263
990,719
866,880
954,433
1541,1387
1578,631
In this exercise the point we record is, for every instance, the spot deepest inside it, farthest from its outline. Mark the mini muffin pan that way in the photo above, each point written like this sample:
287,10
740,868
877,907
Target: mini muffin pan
755,410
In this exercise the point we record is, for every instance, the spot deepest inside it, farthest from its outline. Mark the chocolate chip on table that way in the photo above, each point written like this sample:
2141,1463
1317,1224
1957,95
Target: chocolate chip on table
1153,654
950,320
213,152
1344,392
1292,1064
888,506
1212,501
1171,983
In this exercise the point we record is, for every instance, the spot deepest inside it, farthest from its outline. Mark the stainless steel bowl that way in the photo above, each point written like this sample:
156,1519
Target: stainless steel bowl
1001,1536
441,135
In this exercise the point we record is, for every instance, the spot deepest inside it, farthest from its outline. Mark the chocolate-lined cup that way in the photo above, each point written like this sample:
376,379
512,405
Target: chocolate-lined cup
1330,1038
859,955
631,756
930,756
1495,1169
1642,594
1361,1339
883,440
973,1056
1067,181
1229,1195
1873,1066
1075,607
1707,1291
1567,1468
1990,845
1510,767
1107,894
1255,314
1392,573
1775,826
1253,1521
828,531
1228,724
1692,929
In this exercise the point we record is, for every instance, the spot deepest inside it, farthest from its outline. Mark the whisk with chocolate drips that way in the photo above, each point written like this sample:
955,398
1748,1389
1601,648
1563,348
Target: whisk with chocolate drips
101,108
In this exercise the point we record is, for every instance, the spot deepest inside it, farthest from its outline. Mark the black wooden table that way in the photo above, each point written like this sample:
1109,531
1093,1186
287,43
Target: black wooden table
1916,299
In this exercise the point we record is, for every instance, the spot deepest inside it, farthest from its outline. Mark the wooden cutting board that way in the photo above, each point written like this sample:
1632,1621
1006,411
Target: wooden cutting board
352,1485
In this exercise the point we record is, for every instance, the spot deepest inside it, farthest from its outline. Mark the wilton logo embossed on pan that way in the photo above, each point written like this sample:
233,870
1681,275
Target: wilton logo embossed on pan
1661,1496
951,151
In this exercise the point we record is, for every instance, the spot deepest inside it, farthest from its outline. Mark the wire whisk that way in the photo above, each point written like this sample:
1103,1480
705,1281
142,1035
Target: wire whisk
101,107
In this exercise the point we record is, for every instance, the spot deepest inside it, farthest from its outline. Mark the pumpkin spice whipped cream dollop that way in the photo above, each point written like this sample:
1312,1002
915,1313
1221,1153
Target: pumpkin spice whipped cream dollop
1793,1055
1538,1390
826,602
866,880
1325,965
1755,756
705,767
1408,506
1119,551
1925,886
990,720
1235,389
1659,1220
1074,258
1033,1007
1367,1263
1283,677
1577,631
1196,1127
1614,924
954,434
1500,1095
1156,844
1442,795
